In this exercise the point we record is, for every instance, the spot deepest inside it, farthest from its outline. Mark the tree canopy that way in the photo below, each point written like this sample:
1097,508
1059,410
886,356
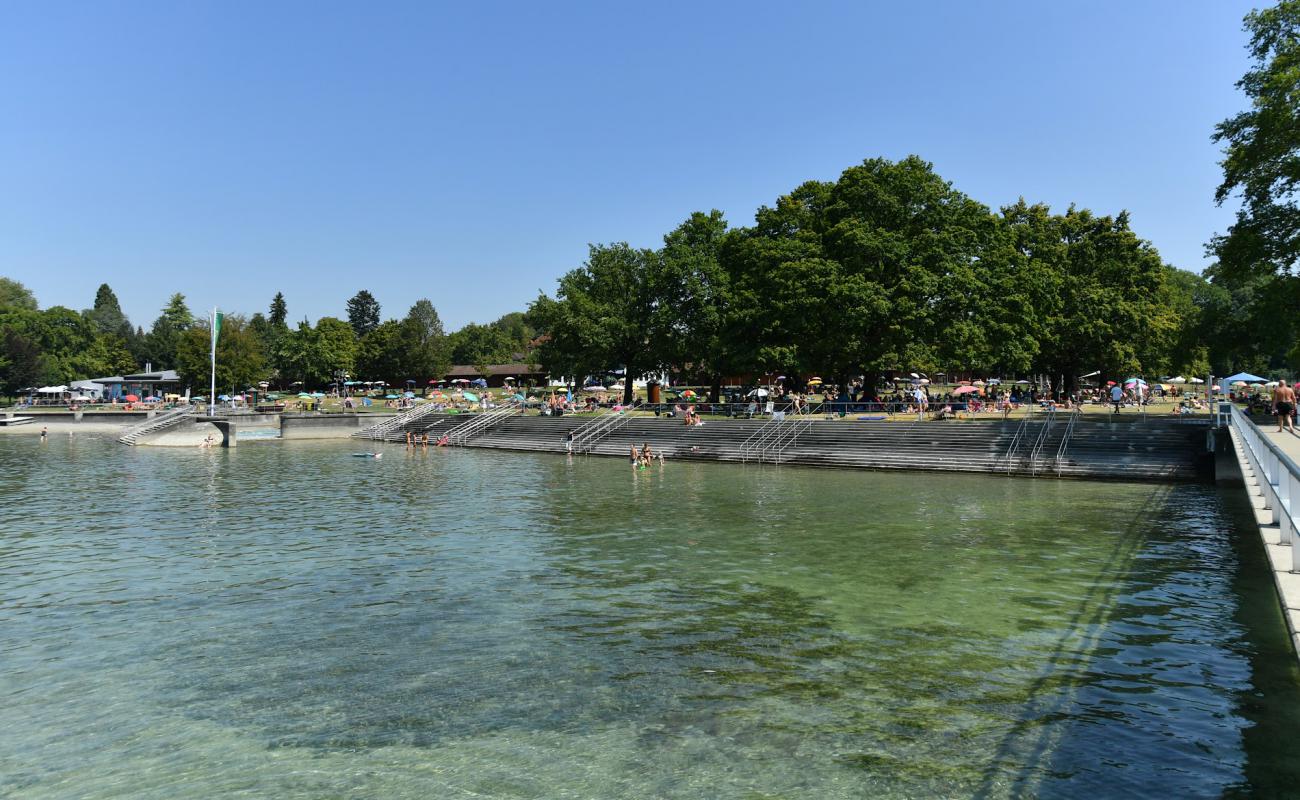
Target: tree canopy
1262,150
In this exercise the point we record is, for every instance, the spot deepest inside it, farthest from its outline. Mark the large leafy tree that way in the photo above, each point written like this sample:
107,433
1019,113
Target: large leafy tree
603,315
480,345
380,354
22,364
1101,295
241,362
164,337
63,345
424,343
1262,150
363,313
695,296
336,343
14,295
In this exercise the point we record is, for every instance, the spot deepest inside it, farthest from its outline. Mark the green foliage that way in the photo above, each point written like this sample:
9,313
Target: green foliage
480,345
424,345
241,362
604,315
57,345
22,365
380,354
106,314
163,339
279,315
14,295
363,313
1262,151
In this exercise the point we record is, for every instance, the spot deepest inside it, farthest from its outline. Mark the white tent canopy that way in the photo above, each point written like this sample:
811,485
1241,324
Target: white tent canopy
52,390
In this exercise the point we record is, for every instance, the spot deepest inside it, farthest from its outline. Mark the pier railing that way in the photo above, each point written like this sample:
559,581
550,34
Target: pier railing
1279,479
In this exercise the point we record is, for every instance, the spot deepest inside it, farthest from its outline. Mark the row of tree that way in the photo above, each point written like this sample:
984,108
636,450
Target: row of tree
891,267
58,345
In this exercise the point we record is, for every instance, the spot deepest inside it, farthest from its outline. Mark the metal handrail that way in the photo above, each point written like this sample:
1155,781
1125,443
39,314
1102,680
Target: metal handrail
481,422
1279,479
1075,414
380,430
794,429
132,433
757,442
1044,433
586,437
1017,438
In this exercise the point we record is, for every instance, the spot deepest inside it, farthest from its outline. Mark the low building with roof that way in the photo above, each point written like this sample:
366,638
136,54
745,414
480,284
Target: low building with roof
151,383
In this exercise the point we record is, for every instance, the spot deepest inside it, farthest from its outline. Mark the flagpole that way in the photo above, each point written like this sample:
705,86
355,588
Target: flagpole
212,397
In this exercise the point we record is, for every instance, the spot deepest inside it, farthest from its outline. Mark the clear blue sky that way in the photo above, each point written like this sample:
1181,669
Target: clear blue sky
467,152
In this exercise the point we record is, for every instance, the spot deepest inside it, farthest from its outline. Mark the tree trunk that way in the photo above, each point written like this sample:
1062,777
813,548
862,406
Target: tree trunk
715,391
628,390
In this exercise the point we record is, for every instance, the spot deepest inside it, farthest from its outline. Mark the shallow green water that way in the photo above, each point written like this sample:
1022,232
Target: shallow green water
283,620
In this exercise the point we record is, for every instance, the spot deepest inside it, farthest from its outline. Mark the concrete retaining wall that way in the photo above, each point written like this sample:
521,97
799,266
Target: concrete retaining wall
190,433
326,426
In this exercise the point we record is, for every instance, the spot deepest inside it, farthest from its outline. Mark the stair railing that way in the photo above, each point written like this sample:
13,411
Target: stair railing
481,422
1065,440
396,423
133,433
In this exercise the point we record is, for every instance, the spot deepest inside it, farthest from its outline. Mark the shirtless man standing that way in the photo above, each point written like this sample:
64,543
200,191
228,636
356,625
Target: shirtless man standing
1283,406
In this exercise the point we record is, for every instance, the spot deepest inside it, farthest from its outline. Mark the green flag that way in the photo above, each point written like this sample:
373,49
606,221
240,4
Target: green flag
217,316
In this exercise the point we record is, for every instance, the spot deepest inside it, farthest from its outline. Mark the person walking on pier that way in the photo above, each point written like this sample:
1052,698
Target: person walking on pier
1284,406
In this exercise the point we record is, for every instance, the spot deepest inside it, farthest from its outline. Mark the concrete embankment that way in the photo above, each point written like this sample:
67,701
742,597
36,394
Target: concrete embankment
1148,450
326,426
73,422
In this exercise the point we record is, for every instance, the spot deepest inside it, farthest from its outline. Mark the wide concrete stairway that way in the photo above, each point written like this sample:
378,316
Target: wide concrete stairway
1152,450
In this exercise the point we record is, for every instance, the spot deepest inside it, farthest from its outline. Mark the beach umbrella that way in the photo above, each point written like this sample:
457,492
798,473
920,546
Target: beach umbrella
390,397
593,388
304,395
1244,377
1110,383
470,396
408,394
978,383
814,380
1022,383
1178,379
964,390
222,397
1239,383
317,394
1271,384
131,398
757,393
688,393
1197,380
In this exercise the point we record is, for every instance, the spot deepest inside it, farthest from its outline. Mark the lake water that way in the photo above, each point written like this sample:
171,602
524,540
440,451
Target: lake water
284,620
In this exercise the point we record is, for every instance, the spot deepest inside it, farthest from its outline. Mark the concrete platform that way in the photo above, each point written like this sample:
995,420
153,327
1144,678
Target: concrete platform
1279,555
